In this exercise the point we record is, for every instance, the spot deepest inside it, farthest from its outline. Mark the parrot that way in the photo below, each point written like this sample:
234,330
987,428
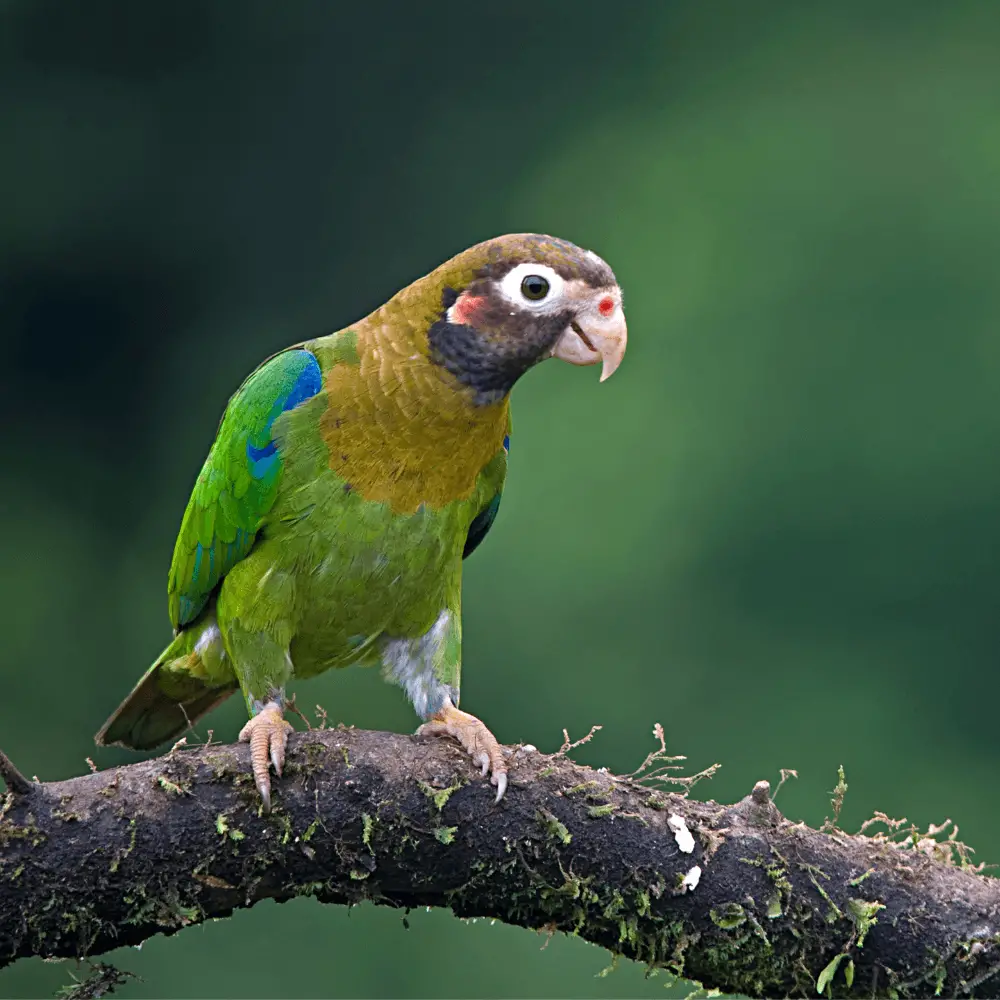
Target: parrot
350,477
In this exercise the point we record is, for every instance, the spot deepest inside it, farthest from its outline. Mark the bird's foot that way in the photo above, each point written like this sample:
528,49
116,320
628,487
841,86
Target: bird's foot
267,733
478,742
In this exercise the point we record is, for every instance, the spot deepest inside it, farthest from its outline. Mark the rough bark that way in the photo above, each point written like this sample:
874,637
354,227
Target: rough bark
111,858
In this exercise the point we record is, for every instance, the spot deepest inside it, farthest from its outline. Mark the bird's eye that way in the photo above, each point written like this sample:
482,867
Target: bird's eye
534,287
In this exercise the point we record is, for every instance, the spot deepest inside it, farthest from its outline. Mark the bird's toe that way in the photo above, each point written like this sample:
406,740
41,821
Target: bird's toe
267,733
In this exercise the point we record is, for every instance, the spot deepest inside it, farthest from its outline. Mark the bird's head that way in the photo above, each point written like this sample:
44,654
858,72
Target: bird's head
504,305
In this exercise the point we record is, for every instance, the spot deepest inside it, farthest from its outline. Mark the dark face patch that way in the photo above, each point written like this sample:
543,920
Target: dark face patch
492,355
495,341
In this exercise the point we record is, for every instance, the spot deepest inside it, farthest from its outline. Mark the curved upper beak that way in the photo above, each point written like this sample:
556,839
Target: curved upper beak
592,337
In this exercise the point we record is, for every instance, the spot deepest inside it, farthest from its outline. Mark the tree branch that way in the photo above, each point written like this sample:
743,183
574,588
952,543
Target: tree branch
13,778
756,905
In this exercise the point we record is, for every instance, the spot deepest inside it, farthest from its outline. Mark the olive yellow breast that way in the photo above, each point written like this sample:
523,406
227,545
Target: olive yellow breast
399,429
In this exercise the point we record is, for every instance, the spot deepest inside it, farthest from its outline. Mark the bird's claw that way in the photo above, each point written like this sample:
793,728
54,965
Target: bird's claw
480,744
267,733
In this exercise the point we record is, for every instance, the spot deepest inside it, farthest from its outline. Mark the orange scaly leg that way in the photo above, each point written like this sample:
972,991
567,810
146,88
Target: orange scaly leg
478,742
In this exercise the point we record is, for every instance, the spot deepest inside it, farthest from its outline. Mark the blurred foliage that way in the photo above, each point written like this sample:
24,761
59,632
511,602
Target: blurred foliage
775,530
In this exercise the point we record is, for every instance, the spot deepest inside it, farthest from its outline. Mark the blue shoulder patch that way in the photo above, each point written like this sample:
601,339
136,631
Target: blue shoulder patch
303,367
307,385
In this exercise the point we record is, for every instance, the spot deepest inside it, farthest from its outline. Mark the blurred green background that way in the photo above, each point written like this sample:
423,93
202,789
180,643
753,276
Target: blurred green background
775,530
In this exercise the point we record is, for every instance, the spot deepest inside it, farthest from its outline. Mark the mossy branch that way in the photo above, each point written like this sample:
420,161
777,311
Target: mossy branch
736,897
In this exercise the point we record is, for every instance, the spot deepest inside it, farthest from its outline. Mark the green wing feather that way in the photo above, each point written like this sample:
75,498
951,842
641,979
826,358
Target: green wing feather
238,483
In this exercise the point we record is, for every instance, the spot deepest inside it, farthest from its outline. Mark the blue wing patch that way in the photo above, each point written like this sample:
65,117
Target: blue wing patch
263,459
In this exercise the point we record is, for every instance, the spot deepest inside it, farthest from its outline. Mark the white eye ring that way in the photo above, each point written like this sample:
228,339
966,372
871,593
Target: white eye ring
510,286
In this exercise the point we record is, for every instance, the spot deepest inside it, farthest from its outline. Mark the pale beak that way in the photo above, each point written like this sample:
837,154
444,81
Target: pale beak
591,338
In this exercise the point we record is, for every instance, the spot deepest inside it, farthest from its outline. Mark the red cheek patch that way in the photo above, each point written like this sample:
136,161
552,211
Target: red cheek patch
606,306
465,308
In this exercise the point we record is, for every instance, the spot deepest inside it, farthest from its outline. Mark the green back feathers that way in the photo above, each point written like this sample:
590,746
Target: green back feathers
238,482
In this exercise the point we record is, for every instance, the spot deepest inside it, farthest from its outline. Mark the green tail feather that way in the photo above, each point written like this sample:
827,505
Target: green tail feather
172,695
